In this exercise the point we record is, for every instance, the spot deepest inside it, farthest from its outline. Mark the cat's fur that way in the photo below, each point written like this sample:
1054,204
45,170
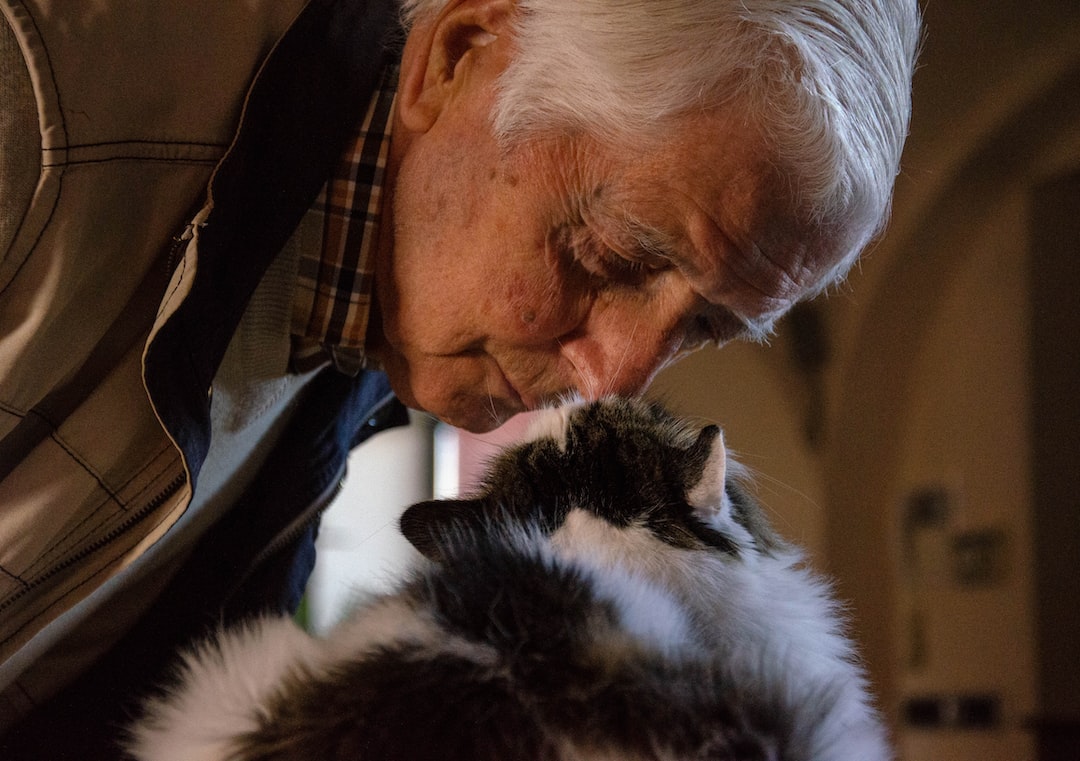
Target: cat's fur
610,594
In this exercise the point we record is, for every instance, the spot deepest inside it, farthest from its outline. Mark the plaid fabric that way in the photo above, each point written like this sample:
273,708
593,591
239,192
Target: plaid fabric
333,294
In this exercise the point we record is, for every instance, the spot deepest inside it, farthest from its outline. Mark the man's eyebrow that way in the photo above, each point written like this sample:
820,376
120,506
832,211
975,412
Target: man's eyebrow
649,238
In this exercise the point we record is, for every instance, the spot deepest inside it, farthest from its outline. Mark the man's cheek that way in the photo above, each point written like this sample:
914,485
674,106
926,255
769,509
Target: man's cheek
540,306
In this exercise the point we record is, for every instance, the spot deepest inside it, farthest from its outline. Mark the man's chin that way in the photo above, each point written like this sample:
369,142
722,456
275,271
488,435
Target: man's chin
480,420
469,413
460,407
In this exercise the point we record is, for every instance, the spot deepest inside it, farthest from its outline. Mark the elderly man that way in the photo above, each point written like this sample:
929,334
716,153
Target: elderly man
233,236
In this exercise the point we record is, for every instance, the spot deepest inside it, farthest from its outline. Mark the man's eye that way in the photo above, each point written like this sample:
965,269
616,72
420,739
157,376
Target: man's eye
714,328
704,331
601,263
620,267
608,265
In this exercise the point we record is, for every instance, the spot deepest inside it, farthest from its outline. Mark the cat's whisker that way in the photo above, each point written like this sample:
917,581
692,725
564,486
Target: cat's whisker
584,387
389,524
761,482
491,403
622,360
757,476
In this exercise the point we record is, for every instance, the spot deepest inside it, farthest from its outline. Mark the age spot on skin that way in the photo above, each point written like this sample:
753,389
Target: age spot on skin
509,179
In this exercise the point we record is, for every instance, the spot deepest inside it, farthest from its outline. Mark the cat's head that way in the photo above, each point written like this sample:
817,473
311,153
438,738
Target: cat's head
628,463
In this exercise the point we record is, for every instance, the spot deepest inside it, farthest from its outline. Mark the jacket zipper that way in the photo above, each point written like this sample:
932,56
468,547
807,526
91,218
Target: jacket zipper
177,244
294,530
179,241
167,493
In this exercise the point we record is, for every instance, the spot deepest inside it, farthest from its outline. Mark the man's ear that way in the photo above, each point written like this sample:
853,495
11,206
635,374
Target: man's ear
441,55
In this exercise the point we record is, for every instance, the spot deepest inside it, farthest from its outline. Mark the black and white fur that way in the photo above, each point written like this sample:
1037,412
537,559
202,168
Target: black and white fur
610,594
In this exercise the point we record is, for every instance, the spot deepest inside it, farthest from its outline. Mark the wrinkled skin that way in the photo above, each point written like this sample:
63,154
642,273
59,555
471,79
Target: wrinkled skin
507,277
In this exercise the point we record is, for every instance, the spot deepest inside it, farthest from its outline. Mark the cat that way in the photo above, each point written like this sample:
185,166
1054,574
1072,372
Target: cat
610,593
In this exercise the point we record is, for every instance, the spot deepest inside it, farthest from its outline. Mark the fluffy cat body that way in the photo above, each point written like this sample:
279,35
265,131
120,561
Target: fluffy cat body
611,594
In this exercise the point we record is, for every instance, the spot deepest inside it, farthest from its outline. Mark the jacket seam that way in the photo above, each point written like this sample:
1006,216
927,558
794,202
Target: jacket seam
165,448
52,69
47,557
73,588
45,226
79,460
141,159
140,141
63,125
76,457
12,410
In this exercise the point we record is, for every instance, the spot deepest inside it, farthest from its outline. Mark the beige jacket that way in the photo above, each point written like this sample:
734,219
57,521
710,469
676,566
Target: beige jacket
101,166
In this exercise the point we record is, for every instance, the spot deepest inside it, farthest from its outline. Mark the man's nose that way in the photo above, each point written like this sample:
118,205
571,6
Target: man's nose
619,357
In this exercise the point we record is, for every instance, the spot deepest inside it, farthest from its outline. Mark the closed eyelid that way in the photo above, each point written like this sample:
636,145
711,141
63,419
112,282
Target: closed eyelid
718,325
756,330
722,325
648,238
732,324
615,221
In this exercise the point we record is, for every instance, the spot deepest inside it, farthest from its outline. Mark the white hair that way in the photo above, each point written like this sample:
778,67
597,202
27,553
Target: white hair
827,82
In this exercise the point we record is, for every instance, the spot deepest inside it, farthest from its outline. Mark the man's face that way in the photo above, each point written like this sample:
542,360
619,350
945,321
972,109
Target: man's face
567,264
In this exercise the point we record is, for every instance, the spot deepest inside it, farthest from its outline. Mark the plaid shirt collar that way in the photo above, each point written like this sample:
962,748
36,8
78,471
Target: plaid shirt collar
334,284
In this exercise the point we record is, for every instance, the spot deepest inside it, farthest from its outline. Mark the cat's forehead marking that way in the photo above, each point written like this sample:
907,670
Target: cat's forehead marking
552,423
585,535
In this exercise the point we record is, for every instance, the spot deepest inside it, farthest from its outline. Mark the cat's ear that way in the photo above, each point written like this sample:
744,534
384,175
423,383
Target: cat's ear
429,525
707,494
